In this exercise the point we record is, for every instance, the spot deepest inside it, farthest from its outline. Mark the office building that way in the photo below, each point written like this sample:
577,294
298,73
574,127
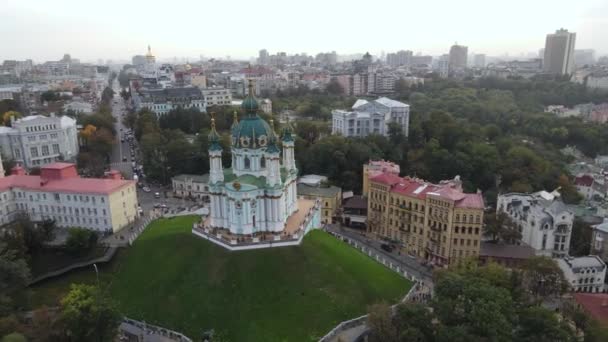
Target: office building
479,60
162,101
263,57
400,58
559,52
435,222
38,140
584,57
544,220
217,96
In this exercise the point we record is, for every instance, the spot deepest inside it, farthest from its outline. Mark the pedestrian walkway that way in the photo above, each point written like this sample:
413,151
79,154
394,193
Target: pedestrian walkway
132,330
128,235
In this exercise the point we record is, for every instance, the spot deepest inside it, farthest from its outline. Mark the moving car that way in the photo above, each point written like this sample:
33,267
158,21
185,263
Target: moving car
146,189
157,195
387,247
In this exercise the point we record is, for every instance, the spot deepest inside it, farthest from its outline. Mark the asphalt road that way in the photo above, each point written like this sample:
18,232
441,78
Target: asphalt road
122,150
407,262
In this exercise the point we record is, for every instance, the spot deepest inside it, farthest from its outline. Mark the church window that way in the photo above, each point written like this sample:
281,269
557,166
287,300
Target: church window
247,163
263,162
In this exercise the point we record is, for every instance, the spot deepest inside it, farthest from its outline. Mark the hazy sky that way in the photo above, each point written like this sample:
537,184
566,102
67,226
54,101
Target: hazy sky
117,29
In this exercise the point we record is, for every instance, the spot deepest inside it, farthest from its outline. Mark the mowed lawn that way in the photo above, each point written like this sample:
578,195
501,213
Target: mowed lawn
174,279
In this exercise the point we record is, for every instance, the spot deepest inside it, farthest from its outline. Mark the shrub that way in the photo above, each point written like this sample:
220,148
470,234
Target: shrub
80,240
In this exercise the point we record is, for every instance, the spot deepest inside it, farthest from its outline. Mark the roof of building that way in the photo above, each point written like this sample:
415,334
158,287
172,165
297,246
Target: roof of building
583,262
602,226
418,188
320,191
195,178
539,202
583,180
596,304
74,184
391,103
167,94
359,102
355,202
499,250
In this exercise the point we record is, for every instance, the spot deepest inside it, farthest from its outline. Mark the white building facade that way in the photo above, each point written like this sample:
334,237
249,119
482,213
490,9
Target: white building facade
217,96
371,117
258,193
584,274
38,140
59,194
543,219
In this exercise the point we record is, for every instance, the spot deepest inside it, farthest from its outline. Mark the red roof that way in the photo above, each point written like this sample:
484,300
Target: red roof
71,183
596,304
420,189
584,180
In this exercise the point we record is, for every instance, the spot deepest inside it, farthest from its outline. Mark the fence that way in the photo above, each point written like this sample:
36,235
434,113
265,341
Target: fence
150,329
139,229
102,259
355,322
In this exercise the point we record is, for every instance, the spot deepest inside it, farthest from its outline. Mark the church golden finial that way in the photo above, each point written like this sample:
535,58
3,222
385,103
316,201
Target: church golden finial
250,87
213,120
235,117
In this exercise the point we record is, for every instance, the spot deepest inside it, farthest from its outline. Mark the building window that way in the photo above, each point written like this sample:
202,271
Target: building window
55,148
45,150
263,162
247,163
34,152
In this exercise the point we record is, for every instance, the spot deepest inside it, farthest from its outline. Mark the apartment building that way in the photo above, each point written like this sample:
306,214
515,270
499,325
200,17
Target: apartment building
37,140
313,187
162,101
217,96
436,222
60,194
374,168
192,186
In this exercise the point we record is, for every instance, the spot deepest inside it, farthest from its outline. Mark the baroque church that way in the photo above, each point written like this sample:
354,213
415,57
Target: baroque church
258,192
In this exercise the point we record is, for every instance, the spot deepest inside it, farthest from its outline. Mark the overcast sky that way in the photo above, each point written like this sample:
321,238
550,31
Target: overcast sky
118,29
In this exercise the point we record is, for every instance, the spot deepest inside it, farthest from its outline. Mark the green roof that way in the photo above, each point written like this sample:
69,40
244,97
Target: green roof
251,132
195,178
320,191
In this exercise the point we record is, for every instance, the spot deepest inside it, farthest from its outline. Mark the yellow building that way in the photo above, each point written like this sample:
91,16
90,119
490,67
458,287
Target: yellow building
376,167
330,196
436,222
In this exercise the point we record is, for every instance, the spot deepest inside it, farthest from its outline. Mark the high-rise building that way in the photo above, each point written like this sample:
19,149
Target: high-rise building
559,52
458,58
479,60
399,58
584,57
263,57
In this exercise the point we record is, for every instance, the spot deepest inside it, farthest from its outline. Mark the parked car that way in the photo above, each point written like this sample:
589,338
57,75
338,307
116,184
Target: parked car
124,159
146,189
387,247
157,195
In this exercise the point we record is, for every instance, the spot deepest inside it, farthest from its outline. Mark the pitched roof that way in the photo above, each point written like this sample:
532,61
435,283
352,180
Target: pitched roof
75,184
584,180
418,188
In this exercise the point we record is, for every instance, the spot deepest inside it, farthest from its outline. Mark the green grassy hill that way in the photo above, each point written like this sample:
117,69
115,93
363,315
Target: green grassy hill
176,280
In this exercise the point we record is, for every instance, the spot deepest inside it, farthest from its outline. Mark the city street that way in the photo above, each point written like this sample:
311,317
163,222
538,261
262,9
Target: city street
407,262
122,150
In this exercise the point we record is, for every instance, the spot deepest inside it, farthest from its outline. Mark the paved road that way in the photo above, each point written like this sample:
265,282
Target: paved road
121,159
410,264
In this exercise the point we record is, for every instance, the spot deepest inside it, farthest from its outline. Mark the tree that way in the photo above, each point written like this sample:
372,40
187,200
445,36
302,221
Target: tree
580,240
6,117
379,321
543,278
89,314
80,240
14,276
14,337
538,324
334,87
500,227
49,96
414,322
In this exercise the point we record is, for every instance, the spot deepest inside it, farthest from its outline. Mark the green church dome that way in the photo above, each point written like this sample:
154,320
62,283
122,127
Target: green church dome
252,131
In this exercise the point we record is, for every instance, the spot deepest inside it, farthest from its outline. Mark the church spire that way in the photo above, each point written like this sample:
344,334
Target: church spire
272,138
250,104
214,137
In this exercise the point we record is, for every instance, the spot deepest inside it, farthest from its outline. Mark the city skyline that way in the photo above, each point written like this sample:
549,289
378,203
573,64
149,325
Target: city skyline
118,30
